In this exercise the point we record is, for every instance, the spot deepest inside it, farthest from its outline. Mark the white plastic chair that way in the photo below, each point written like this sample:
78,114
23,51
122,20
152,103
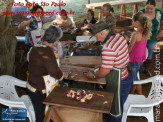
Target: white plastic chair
10,98
73,22
139,105
73,25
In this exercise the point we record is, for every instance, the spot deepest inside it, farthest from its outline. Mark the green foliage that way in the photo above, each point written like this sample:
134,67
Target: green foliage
80,11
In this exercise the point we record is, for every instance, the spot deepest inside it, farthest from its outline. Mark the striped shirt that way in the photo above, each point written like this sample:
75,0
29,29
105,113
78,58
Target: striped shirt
115,54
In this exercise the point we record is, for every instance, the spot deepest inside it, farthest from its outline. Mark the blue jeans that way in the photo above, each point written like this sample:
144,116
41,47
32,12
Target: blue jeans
150,46
135,69
126,86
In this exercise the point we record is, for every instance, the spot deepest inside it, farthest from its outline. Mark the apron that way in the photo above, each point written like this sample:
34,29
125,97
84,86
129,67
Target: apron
35,34
50,82
113,80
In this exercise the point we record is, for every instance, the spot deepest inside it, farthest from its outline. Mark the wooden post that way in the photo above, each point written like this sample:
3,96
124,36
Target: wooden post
99,15
135,8
124,8
123,11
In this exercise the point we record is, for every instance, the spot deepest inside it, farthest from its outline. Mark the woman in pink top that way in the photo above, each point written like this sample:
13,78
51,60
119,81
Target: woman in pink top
137,47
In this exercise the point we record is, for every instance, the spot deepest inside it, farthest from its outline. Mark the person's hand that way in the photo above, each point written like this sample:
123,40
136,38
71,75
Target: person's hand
90,74
65,75
64,24
97,66
89,25
20,27
54,23
86,26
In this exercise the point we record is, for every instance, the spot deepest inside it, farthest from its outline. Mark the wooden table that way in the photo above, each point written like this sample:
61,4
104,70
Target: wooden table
57,98
76,73
84,46
68,34
117,3
82,60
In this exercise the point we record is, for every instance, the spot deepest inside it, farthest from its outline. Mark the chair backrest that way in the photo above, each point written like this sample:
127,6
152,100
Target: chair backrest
73,23
146,53
155,95
7,89
10,98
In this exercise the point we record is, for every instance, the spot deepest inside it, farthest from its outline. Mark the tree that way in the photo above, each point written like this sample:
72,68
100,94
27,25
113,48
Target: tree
7,40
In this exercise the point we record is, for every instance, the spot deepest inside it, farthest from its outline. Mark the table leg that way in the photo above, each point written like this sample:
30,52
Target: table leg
135,8
99,117
123,11
52,115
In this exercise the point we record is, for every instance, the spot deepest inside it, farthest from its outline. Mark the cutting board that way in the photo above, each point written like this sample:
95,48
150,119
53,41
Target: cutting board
77,73
57,97
82,60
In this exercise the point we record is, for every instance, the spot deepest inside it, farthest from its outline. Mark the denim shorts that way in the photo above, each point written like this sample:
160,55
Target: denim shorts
150,46
135,66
